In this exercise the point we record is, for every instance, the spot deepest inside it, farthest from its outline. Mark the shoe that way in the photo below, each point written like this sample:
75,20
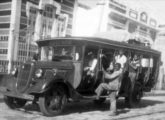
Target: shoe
112,114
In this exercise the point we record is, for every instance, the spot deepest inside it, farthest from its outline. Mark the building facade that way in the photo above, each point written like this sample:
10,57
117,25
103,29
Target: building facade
159,44
135,22
111,14
24,21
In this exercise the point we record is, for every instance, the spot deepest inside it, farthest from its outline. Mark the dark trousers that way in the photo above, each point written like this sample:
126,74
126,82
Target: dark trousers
132,76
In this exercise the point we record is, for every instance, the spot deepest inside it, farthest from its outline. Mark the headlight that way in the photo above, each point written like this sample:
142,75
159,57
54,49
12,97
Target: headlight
38,73
54,71
15,72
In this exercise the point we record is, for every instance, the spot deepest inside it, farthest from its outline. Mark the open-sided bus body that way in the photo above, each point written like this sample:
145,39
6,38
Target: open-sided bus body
58,76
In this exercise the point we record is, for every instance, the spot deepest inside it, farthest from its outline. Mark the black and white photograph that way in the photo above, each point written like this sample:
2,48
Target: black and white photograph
82,59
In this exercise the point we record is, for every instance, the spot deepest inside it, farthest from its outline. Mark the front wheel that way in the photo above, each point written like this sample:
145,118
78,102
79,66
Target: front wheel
13,103
53,101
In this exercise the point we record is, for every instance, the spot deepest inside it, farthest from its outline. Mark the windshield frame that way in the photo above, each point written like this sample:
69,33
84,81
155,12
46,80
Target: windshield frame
68,53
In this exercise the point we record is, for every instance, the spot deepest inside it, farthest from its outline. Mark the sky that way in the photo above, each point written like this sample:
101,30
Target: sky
155,8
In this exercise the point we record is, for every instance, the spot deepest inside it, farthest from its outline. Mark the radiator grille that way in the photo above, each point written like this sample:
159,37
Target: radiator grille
23,77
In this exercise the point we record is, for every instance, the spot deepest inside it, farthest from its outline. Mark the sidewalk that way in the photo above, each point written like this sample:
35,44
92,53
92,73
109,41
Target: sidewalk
155,93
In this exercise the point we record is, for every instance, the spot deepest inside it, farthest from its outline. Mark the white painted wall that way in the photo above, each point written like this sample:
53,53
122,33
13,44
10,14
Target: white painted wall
87,21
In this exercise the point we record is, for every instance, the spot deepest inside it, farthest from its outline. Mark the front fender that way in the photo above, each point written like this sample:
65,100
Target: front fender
48,82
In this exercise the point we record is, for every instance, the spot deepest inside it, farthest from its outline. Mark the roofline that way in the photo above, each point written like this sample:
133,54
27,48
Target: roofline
105,41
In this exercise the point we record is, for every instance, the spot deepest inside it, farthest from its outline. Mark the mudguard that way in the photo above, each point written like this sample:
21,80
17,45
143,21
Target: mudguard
50,79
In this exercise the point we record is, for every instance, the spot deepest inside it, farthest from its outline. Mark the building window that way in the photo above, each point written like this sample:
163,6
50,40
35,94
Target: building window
132,27
4,38
22,39
143,31
153,34
117,8
3,51
49,14
32,18
133,14
27,26
143,17
117,3
22,53
117,18
23,20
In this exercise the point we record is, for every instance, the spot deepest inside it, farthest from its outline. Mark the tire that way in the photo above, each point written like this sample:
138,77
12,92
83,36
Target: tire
14,103
52,102
100,101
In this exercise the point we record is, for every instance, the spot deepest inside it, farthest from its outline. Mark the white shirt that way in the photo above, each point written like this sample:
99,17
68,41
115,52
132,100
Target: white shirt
121,59
93,64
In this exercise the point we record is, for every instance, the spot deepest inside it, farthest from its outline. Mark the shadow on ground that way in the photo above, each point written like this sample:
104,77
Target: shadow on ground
145,103
89,106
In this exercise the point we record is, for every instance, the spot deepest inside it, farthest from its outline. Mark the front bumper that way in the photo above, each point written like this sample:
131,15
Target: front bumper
5,92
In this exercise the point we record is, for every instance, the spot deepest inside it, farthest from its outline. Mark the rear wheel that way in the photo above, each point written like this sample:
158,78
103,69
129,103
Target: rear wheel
52,102
14,102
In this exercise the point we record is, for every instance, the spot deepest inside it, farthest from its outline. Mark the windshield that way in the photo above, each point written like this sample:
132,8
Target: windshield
58,53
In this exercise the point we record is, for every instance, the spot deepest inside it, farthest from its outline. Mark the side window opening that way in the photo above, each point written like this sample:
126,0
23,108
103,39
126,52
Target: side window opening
90,57
107,58
46,53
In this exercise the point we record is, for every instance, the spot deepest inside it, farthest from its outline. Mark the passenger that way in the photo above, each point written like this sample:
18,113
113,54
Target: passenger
91,65
133,67
121,58
64,52
112,86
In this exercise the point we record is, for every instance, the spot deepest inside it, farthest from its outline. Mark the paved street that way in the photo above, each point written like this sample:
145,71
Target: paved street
151,108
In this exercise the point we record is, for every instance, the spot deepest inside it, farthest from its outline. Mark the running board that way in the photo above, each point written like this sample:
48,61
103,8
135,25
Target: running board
94,97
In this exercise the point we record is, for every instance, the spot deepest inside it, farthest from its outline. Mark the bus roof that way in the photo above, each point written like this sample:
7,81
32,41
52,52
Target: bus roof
102,41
